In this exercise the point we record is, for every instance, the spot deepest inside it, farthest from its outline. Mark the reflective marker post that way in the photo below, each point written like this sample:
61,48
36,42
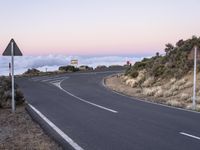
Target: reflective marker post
194,84
12,73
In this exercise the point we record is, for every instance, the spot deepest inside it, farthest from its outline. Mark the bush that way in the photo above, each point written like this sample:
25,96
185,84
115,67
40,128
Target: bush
6,95
32,71
68,68
134,74
101,67
175,63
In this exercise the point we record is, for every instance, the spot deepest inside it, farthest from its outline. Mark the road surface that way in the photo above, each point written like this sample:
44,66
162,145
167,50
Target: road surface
86,115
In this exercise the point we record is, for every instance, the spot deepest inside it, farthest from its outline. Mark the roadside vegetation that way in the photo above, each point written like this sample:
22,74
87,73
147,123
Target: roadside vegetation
6,95
68,68
175,63
166,79
17,130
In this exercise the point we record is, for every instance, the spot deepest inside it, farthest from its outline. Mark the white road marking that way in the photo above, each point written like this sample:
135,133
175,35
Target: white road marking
59,131
51,79
56,84
189,135
45,77
99,106
55,81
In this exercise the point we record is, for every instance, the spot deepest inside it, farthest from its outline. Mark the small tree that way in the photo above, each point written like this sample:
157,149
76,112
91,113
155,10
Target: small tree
169,48
157,54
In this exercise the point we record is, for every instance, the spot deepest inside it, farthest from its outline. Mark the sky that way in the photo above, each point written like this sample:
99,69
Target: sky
97,27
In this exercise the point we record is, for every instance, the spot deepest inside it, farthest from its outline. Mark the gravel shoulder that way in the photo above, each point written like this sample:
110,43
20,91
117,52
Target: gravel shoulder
18,131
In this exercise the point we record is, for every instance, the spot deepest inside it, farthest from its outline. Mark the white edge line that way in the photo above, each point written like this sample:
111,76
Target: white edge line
145,101
59,131
189,135
99,106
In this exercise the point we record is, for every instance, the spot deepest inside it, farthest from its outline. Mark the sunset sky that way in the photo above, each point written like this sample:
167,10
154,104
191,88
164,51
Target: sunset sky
97,27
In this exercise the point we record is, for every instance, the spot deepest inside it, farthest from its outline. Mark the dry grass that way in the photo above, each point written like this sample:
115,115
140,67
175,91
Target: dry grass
133,82
148,82
174,88
159,93
172,81
184,96
189,106
174,103
124,78
168,94
174,92
188,84
181,82
19,132
151,91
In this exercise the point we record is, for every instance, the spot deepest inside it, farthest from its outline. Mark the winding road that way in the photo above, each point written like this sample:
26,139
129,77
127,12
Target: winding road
80,113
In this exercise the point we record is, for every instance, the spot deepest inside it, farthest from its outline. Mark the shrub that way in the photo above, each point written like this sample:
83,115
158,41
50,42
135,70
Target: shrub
188,85
5,93
174,103
68,68
150,91
185,96
101,67
181,82
175,63
168,93
148,82
159,93
32,71
134,74
131,82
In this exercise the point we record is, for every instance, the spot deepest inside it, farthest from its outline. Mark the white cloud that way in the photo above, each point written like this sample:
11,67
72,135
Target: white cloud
52,62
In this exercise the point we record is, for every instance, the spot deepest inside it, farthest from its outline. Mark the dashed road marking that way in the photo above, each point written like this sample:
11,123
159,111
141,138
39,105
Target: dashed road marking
52,79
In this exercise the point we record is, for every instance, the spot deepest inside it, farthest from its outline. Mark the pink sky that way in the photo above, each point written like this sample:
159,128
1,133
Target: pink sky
122,27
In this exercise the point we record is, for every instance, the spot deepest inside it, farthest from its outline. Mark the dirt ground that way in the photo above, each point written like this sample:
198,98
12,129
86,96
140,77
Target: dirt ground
19,132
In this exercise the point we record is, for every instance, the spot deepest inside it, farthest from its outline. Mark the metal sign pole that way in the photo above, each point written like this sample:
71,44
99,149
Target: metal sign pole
12,50
194,86
12,72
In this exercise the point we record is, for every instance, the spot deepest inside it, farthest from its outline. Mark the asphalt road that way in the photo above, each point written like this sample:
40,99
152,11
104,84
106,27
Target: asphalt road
96,118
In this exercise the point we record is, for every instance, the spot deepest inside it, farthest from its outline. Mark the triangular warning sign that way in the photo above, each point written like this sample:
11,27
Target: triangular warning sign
16,49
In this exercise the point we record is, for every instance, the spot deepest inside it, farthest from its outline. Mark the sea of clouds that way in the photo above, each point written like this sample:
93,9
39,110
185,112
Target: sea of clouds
52,62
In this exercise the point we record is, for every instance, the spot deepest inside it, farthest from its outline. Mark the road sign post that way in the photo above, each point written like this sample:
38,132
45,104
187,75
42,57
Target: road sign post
12,74
12,50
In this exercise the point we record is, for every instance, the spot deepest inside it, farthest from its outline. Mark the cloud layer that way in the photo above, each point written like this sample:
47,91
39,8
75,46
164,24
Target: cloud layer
52,62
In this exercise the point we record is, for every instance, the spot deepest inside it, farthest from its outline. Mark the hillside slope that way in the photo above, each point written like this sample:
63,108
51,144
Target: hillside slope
164,79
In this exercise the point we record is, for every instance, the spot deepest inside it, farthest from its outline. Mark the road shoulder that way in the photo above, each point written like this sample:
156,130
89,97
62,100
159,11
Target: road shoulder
19,131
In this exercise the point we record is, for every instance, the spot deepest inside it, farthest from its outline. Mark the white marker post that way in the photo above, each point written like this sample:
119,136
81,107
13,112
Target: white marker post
12,73
194,84
12,50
